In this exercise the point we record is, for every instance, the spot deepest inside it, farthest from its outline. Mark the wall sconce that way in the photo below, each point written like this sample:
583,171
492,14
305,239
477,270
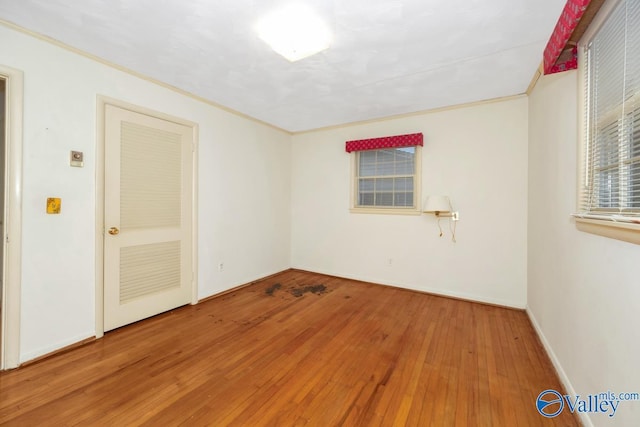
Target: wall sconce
440,206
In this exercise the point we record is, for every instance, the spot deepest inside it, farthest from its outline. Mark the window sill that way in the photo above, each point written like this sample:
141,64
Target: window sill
615,230
383,211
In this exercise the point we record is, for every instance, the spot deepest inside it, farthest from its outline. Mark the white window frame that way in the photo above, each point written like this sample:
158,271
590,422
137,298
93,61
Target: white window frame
606,224
393,210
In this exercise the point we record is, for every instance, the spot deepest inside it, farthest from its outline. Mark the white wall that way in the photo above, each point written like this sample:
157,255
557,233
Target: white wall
477,155
244,191
583,290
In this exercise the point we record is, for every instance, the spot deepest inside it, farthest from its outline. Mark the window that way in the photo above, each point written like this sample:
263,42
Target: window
385,177
386,174
610,187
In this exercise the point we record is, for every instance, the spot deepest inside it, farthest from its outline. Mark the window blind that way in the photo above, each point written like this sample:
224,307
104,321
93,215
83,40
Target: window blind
611,179
385,178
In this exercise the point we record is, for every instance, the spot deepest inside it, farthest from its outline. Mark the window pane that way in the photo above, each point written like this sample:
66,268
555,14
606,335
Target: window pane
607,158
634,186
366,199
607,140
384,199
608,186
609,70
386,168
403,184
405,152
404,167
384,184
632,84
366,185
400,199
403,199
367,156
367,163
634,142
367,170
405,160
385,155
389,178
634,158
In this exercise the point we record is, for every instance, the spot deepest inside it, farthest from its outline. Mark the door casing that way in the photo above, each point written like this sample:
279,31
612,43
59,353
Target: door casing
12,240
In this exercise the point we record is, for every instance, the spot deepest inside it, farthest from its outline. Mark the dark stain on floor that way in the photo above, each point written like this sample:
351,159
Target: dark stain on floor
272,289
315,289
297,290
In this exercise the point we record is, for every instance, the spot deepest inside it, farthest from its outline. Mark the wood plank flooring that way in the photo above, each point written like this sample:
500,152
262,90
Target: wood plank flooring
297,349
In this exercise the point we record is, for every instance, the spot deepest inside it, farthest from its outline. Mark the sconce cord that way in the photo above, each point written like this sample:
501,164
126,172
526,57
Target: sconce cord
439,226
452,228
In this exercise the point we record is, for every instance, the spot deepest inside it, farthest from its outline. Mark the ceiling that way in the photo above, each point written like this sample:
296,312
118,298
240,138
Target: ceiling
387,57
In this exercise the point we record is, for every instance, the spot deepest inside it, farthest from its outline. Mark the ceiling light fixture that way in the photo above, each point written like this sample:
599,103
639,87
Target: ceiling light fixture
294,32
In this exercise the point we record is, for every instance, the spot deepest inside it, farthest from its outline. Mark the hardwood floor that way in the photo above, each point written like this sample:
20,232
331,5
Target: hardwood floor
297,349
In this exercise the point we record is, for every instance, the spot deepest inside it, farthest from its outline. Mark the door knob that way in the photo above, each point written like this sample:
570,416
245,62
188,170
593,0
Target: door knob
113,231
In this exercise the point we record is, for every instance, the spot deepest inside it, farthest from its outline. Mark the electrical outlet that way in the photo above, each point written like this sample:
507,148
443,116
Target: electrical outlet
221,266
390,262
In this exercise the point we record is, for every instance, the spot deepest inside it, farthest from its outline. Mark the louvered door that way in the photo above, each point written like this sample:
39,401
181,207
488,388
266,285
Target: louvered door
148,199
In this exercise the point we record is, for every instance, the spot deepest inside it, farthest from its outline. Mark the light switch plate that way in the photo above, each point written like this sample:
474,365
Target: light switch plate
77,159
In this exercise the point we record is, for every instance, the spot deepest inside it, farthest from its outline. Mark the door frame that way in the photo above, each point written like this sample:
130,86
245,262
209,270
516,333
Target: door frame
102,101
12,241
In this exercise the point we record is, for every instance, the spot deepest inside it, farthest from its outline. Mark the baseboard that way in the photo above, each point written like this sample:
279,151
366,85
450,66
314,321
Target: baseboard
562,375
32,358
237,288
429,291
64,349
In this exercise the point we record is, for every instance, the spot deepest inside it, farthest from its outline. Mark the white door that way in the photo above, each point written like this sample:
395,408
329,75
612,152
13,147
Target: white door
147,216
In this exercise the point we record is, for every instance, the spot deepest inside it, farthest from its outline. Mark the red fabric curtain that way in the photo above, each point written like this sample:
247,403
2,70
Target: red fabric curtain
571,15
409,140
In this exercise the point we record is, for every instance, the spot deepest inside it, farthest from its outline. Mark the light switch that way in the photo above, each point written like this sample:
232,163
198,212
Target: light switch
77,159
53,205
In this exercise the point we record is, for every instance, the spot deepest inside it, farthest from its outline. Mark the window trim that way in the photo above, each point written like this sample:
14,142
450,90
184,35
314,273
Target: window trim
627,232
391,210
614,230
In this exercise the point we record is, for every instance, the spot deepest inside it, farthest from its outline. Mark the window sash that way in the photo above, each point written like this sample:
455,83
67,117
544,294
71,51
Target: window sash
611,179
386,178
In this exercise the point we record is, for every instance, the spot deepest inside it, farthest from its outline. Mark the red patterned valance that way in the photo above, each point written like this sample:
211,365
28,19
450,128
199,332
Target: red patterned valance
567,61
557,45
410,140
